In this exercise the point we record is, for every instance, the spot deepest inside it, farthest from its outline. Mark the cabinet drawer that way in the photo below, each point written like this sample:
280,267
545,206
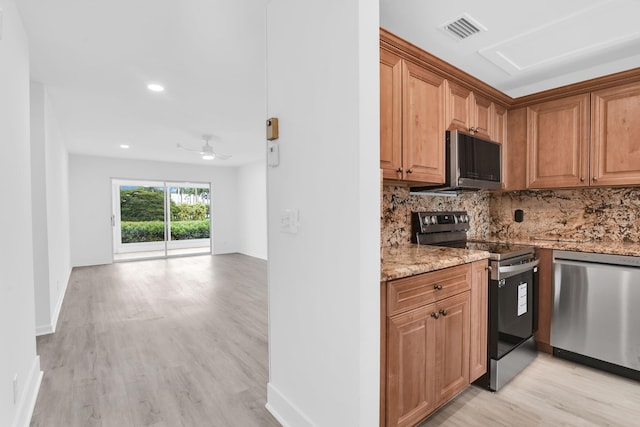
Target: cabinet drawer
411,292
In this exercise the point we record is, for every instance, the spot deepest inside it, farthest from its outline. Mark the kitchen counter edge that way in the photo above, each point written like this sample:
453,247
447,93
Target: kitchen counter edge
410,260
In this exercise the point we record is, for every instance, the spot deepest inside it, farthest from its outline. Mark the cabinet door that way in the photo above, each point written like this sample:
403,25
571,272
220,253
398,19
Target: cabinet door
423,131
479,318
483,117
499,131
459,107
615,136
452,346
558,143
410,366
390,115
514,151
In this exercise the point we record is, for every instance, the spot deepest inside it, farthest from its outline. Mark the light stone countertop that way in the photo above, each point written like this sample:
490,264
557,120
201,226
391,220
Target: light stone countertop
409,260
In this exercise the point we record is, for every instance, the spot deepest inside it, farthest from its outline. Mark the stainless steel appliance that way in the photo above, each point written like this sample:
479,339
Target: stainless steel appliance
595,315
513,282
472,163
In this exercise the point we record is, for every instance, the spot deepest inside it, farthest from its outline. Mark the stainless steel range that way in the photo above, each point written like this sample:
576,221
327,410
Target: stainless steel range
513,286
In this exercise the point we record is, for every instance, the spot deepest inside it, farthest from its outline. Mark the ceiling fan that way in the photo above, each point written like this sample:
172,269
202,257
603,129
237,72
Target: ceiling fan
206,151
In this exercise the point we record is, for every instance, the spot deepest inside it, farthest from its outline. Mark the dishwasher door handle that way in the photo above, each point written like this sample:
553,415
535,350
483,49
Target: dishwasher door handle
586,264
512,270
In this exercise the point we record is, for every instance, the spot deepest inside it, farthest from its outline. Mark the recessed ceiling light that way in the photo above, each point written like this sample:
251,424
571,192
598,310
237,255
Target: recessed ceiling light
125,146
155,87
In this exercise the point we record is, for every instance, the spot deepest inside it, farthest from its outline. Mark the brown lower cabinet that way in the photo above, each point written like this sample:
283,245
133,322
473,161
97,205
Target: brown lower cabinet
545,300
430,349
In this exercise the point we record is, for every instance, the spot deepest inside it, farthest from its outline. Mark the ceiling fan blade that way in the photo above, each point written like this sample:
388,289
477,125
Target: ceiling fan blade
223,156
182,147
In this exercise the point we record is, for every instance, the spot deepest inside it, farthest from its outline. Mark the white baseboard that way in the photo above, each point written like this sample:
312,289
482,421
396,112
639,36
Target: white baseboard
63,292
29,395
283,410
51,327
44,330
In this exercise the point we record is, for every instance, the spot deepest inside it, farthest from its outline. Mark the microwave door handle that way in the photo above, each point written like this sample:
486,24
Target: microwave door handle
512,270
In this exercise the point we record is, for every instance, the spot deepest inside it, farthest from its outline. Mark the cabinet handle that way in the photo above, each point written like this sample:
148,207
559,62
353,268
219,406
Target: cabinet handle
399,170
437,287
473,130
488,268
409,170
443,312
595,178
581,179
435,315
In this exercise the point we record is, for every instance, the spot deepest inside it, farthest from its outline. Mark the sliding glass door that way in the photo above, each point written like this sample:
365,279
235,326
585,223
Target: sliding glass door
154,219
189,219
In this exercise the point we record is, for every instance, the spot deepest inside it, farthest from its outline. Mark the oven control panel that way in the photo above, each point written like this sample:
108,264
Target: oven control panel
433,222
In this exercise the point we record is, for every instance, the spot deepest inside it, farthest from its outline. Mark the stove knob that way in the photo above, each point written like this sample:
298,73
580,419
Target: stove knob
434,219
466,218
425,220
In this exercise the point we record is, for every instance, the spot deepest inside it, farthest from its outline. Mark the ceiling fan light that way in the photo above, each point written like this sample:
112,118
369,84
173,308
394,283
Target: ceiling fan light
155,87
208,156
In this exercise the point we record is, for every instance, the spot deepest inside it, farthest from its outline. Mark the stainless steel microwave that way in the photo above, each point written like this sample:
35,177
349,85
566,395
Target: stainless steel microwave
472,163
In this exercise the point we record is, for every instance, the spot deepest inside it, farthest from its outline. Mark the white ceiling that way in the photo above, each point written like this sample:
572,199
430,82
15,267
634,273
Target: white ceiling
96,58
529,46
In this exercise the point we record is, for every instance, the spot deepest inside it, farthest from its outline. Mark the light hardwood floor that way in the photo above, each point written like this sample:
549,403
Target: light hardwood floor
176,342
549,392
183,342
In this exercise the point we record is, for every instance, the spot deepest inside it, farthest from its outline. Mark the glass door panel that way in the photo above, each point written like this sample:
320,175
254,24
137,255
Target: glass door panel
189,219
139,226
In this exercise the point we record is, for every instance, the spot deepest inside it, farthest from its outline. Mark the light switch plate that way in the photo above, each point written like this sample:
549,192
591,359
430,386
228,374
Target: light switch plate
289,221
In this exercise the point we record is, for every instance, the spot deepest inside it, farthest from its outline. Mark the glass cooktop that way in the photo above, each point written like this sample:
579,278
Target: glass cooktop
499,250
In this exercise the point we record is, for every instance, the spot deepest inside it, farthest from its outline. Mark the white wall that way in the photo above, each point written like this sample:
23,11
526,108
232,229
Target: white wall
39,207
50,198
252,209
17,310
322,74
90,201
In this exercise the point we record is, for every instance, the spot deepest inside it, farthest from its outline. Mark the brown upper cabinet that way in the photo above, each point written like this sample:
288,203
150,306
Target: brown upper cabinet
472,113
421,97
592,139
615,136
499,125
411,121
558,143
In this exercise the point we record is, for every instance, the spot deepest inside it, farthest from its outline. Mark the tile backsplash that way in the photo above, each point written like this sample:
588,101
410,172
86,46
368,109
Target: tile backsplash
580,214
397,205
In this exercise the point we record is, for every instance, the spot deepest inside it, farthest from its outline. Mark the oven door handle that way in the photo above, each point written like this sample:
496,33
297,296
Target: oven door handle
512,270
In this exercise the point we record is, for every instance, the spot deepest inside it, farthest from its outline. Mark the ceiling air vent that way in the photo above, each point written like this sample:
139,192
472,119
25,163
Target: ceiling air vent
463,27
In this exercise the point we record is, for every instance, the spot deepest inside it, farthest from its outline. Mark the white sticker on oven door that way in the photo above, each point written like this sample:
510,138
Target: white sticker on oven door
522,299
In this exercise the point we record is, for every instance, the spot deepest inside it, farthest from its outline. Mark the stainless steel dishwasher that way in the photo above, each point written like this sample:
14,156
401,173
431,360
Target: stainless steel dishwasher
596,310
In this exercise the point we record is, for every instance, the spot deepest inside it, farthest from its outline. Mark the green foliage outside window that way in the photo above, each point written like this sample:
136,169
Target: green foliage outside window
142,217
153,231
